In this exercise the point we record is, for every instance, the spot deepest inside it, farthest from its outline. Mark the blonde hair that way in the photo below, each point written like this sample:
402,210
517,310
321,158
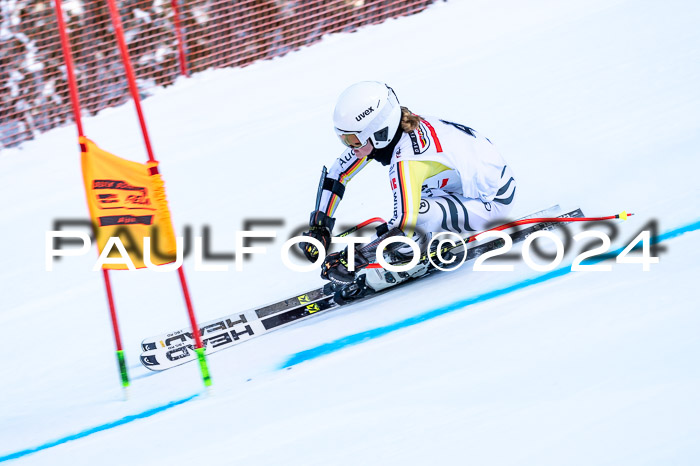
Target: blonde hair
409,120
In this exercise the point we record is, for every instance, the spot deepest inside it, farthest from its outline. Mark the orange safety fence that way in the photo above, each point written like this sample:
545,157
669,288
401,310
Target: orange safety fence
34,95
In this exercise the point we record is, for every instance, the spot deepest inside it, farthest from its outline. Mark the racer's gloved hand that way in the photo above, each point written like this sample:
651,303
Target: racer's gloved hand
321,226
320,233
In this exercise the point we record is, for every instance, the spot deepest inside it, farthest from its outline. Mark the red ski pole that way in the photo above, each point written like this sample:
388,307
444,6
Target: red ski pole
623,215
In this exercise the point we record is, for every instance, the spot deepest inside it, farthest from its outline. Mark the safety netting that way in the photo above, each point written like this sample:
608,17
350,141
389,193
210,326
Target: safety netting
166,39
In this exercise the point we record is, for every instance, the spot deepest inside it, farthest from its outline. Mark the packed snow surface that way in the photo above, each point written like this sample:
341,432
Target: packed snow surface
593,103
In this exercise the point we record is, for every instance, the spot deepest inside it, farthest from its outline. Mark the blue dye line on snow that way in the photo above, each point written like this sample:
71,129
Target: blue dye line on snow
337,345
367,335
93,430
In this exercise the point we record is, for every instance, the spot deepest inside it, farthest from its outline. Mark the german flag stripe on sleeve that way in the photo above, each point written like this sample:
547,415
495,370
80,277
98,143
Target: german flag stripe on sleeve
410,178
352,169
332,205
438,146
344,178
402,195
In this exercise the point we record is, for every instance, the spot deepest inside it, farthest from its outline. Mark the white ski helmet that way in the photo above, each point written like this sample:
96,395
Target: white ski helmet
367,111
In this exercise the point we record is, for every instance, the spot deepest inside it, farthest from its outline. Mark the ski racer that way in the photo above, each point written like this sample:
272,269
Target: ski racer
444,176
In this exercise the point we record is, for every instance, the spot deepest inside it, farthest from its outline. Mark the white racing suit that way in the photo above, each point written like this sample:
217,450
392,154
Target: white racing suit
444,177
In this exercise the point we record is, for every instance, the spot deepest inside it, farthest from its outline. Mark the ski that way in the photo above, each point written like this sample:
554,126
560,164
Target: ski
214,326
175,348
230,332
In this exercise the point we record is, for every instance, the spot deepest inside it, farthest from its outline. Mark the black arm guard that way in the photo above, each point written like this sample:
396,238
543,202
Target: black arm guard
320,219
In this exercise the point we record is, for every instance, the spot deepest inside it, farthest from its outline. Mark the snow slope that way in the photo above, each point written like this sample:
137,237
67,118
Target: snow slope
592,103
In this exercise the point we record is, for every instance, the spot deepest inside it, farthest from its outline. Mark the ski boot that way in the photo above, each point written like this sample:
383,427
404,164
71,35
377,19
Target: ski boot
344,294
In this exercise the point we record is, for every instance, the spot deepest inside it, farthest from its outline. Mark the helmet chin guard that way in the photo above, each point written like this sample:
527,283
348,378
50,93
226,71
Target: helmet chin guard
370,110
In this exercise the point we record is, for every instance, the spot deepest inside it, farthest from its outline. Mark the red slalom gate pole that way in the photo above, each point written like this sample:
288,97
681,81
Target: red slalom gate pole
115,327
75,102
68,58
199,348
131,78
180,41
